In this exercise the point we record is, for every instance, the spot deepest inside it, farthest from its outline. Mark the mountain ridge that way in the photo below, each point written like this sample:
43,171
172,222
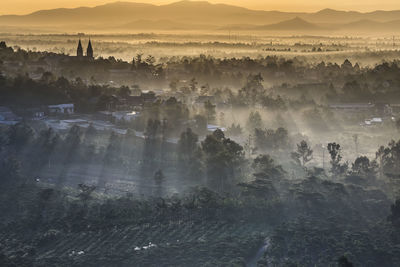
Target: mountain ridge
194,13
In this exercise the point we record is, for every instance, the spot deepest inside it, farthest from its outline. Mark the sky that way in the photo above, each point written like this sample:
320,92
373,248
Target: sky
28,6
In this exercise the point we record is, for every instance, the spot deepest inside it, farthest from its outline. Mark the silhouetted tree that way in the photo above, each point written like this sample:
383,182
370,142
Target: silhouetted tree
303,154
113,150
190,155
254,121
187,144
364,167
337,168
344,262
223,159
234,130
265,164
271,139
253,89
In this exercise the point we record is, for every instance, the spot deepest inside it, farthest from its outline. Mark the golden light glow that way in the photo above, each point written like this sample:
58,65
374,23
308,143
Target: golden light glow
28,6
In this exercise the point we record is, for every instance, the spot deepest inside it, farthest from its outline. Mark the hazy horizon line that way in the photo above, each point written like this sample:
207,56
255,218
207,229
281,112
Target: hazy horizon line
220,3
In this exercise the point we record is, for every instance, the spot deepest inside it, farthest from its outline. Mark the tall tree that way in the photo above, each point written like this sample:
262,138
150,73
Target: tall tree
223,159
266,164
254,121
187,144
112,154
253,89
362,166
265,175
337,168
210,111
303,155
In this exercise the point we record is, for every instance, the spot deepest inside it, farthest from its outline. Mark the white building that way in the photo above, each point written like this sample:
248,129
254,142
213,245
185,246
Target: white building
373,121
62,109
212,128
122,115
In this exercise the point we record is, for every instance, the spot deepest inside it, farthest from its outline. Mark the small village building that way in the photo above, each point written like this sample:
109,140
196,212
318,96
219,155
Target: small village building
212,128
149,97
135,101
127,116
62,109
373,122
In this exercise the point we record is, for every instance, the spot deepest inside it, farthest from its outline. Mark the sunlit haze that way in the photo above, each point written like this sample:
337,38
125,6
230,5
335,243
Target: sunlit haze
241,133
27,6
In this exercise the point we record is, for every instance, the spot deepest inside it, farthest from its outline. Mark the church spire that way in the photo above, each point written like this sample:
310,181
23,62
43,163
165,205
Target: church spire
79,51
89,51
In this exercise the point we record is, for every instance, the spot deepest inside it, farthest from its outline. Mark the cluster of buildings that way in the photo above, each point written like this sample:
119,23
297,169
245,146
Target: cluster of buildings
131,102
118,109
8,117
374,114
100,125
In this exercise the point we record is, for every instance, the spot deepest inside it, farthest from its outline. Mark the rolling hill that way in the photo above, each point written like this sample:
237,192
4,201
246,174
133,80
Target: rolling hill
370,25
296,24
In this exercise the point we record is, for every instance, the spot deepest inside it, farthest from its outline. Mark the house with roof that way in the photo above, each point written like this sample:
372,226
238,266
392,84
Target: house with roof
62,109
373,121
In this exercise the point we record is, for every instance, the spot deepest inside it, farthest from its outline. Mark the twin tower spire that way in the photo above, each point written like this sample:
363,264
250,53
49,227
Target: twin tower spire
89,50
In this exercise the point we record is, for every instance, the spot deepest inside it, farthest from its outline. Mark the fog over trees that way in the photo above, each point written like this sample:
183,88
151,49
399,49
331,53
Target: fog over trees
248,158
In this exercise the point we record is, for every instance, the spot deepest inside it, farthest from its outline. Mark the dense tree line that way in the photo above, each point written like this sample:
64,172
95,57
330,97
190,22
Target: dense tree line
237,81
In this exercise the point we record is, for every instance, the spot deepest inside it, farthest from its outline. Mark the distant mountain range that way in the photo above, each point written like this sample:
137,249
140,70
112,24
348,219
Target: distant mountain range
301,25
296,24
201,15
